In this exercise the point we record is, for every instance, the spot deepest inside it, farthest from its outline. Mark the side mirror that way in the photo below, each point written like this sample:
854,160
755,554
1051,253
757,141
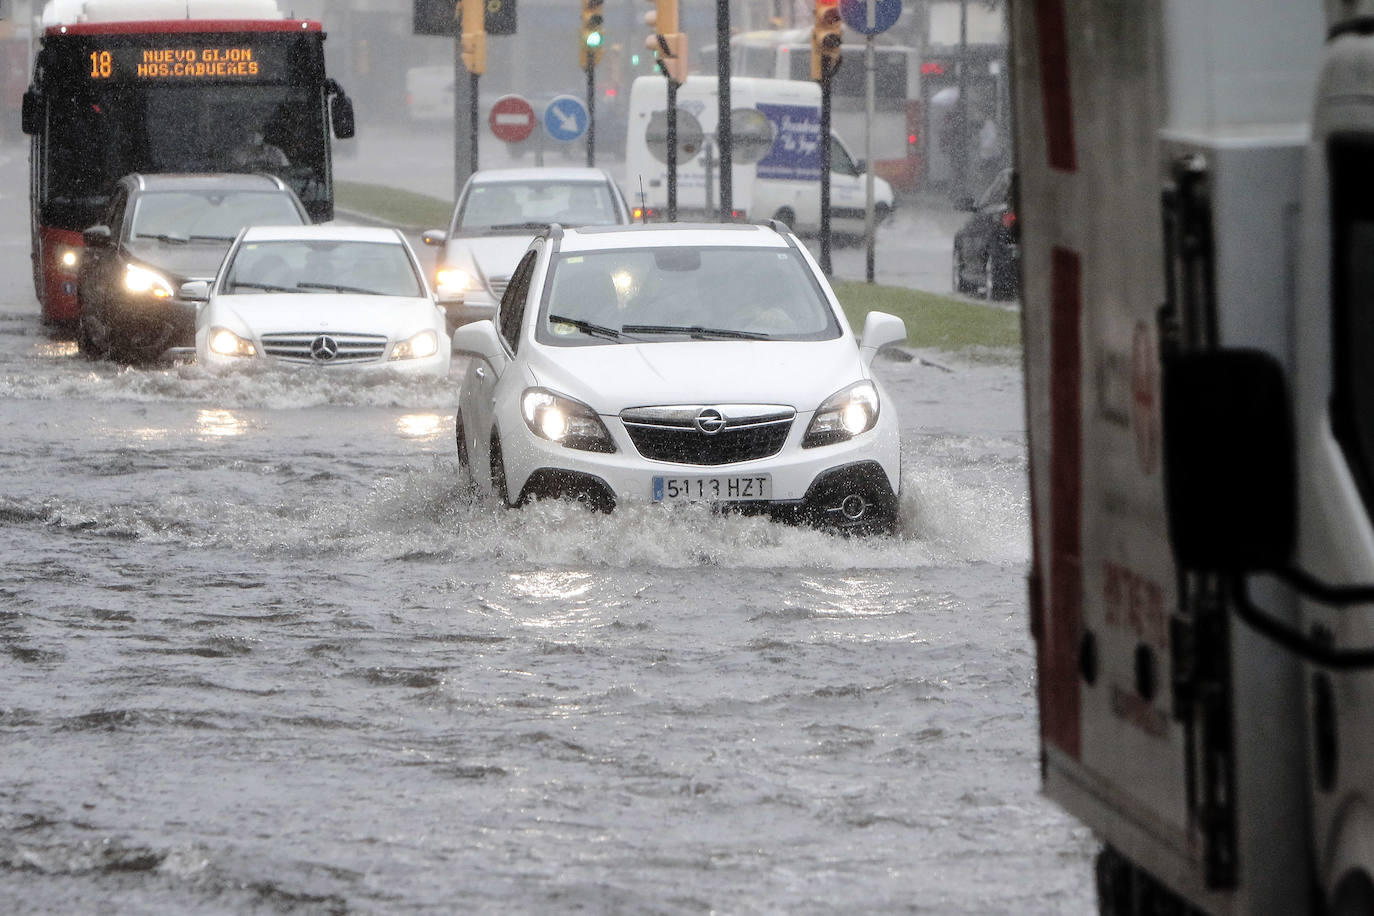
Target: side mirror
31,117
479,339
1230,466
195,290
341,116
97,237
860,166
435,237
880,330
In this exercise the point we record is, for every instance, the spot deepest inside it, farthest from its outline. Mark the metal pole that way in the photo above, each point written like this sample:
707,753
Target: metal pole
961,106
672,151
472,127
463,160
825,168
868,153
724,128
591,115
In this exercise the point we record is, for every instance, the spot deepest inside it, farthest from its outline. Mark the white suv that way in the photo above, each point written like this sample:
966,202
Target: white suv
671,363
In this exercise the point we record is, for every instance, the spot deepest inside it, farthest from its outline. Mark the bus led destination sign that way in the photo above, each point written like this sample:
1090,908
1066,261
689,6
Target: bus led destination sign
183,63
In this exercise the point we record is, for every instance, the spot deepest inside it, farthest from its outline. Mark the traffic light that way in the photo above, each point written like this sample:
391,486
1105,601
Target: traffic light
474,26
589,54
666,41
826,38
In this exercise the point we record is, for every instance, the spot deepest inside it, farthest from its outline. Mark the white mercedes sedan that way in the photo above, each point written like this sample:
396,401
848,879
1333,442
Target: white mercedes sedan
673,363
325,297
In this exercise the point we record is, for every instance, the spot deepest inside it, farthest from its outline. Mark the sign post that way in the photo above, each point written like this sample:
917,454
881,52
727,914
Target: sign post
869,17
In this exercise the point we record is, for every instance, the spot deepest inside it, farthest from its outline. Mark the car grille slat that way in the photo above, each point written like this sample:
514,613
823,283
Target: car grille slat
296,347
671,434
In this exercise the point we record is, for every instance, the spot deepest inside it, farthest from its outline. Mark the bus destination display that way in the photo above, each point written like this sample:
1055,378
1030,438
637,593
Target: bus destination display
170,62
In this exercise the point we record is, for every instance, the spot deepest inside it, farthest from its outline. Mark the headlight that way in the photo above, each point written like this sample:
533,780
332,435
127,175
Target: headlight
426,343
844,415
142,280
70,259
226,343
450,281
565,421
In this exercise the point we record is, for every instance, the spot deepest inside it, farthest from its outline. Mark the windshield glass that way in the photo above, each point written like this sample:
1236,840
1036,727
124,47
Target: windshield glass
534,204
322,266
209,215
662,294
99,136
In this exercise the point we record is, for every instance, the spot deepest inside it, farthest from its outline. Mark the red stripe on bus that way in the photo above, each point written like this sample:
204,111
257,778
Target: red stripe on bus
179,26
1060,712
1054,85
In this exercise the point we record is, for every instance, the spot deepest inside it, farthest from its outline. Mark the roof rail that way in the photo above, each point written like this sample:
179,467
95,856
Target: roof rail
778,226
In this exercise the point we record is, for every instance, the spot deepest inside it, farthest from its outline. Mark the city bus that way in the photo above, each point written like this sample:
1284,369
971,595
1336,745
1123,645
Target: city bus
111,96
897,120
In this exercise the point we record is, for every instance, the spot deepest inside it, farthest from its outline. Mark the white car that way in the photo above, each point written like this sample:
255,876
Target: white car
497,214
325,297
668,363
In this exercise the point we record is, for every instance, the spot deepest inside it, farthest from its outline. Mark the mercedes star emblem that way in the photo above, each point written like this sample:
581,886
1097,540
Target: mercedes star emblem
324,348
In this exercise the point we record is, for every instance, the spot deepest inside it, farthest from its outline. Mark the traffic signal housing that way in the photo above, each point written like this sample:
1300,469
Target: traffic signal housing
474,26
589,51
826,38
669,44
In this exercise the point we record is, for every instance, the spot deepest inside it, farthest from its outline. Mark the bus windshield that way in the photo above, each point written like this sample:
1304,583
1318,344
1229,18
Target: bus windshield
95,139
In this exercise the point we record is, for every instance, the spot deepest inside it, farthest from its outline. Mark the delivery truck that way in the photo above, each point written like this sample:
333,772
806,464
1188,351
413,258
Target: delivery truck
1196,197
776,129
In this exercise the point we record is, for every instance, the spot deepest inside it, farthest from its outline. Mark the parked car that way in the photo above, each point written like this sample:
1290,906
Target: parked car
325,297
160,231
497,214
986,248
669,363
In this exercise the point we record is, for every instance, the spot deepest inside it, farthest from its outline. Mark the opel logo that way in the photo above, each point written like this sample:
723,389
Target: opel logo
709,421
324,348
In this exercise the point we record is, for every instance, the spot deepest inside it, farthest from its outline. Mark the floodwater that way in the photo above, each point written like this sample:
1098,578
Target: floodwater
263,653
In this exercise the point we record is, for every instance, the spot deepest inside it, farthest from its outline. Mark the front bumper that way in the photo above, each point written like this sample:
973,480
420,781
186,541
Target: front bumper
851,485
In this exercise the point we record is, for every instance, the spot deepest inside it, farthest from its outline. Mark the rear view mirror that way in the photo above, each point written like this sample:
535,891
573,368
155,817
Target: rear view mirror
1230,479
97,237
341,116
32,113
880,330
195,290
434,237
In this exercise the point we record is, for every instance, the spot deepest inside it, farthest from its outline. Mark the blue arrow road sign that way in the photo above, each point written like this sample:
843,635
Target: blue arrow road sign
856,14
565,118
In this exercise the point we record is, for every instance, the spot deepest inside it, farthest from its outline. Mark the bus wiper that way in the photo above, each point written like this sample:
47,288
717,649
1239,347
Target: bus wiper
695,330
337,288
588,327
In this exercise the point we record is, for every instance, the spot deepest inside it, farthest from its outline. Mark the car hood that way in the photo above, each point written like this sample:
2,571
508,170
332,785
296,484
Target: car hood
492,255
394,316
616,376
189,261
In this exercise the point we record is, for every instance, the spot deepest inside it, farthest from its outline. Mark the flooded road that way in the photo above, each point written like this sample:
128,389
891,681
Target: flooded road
263,652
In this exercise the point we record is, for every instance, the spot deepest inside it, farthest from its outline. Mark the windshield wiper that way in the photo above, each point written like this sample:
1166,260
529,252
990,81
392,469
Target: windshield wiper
695,330
504,227
169,239
588,327
338,288
212,238
267,286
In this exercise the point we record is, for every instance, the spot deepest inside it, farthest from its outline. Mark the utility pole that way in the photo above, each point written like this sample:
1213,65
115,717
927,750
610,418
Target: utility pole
724,128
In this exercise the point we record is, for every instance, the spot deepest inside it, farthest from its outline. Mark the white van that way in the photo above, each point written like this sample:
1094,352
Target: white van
776,176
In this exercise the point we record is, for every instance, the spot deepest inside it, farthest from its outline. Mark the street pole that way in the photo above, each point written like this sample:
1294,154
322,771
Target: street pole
464,105
672,151
961,106
473,120
724,127
591,114
825,167
868,150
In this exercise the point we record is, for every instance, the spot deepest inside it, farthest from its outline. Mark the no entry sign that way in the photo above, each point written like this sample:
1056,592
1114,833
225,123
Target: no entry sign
511,118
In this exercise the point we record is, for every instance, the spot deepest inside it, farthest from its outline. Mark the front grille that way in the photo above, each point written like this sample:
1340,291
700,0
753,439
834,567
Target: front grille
299,346
670,433
498,286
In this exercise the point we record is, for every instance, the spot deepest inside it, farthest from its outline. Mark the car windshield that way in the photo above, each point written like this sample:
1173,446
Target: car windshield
527,205
705,293
210,215
322,266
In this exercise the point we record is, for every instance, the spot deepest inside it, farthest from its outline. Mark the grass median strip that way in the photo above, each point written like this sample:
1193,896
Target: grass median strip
934,321
392,205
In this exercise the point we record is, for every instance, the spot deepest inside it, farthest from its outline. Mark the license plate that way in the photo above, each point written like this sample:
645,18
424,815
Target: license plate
713,489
